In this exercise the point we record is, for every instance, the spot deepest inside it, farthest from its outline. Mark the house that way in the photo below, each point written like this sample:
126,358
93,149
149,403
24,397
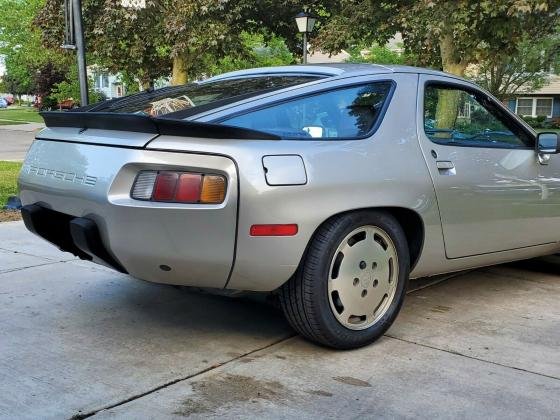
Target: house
106,83
543,102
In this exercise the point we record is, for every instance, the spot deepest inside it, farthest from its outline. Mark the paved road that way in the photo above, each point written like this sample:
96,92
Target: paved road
78,339
16,139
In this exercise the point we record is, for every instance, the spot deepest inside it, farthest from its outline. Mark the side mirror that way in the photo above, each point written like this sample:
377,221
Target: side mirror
548,143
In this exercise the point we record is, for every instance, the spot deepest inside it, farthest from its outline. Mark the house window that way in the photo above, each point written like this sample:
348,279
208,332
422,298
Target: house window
534,107
105,80
543,106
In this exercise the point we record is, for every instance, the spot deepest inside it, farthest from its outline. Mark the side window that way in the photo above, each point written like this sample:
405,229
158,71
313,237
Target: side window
337,114
463,118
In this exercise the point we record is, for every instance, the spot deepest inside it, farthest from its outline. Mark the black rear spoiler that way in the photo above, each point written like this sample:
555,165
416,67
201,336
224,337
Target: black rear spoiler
147,124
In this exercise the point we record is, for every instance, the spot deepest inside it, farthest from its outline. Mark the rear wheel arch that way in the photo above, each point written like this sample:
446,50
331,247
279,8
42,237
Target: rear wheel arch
410,221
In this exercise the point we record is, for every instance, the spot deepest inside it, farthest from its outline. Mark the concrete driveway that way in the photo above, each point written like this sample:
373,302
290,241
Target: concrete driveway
80,340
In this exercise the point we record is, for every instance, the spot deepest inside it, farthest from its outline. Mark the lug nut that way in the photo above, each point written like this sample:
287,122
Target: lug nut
356,281
363,264
364,293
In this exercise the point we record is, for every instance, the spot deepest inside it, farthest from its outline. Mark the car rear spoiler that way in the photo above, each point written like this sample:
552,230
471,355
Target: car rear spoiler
147,124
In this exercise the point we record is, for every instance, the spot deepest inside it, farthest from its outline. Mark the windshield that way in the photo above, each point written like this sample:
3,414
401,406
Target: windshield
182,101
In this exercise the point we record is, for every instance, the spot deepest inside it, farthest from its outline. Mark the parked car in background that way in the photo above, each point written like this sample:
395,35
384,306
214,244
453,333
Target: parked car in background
6,101
329,185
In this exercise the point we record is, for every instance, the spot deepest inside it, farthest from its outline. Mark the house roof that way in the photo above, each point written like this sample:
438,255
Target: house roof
551,88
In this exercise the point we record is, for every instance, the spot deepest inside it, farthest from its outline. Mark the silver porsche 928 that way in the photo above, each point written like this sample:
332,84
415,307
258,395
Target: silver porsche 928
330,184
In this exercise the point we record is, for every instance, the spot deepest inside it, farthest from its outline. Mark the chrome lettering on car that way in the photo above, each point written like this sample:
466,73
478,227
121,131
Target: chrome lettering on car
61,175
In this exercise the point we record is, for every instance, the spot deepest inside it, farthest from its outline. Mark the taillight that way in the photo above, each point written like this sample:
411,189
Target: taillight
179,187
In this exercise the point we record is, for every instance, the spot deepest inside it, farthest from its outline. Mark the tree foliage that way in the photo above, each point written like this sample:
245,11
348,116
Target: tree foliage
29,66
185,38
527,69
70,89
258,50
377,54
450,34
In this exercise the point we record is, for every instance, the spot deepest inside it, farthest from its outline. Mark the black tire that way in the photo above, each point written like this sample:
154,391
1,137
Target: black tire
304,298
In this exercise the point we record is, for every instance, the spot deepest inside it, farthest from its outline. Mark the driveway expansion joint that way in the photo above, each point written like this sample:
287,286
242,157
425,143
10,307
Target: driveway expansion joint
81,416
472,357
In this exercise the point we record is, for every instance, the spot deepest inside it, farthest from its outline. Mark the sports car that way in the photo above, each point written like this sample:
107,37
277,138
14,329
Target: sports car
329,185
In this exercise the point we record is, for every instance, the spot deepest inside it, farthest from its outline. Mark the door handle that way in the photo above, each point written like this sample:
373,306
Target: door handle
445,167
445,164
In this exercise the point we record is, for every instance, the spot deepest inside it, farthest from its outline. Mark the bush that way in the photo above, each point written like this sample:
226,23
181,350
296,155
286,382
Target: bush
48,103
554,124
536,122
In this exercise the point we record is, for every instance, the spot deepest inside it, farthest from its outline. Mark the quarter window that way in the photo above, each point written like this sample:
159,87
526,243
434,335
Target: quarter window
345,113
469,118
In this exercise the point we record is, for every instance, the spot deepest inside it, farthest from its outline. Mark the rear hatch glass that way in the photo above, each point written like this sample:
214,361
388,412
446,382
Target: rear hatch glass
193,98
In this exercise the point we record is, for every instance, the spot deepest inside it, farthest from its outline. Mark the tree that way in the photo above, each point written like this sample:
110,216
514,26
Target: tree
450,34
527,69
183,37
258,52
25,57
376,54
70,89
119,39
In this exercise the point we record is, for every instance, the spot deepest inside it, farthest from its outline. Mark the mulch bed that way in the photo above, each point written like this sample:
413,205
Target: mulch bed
9,215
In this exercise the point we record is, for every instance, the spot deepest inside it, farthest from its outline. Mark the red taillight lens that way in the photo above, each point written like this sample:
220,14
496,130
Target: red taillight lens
188,188
179,187
274,230
166,183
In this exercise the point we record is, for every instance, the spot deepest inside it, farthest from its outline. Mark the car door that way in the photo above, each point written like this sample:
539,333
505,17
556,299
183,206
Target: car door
493,194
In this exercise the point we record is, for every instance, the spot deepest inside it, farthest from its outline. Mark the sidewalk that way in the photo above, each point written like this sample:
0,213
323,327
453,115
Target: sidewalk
15,139
23,127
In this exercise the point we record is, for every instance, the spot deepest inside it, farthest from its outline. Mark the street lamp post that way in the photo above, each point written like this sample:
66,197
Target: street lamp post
74,40
305,23
81,52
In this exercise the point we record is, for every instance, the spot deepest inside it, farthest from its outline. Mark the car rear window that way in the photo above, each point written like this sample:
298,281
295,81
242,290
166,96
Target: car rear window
182,101
351,112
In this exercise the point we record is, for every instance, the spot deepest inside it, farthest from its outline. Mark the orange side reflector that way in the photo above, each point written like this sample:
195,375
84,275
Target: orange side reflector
213,189
274,230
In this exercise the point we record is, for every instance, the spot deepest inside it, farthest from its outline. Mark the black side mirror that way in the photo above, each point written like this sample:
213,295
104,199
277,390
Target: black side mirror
548,143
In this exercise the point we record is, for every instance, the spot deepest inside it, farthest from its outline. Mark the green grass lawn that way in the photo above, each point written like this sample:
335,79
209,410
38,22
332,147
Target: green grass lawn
19,115
8,176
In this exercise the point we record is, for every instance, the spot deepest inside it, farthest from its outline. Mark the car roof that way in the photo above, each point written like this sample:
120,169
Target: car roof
330,70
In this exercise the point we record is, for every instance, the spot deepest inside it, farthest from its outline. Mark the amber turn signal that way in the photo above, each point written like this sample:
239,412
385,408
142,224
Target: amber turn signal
213,189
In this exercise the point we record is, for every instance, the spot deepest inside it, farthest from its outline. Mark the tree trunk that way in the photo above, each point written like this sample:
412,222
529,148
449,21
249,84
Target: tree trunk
448,100
179,76
145,84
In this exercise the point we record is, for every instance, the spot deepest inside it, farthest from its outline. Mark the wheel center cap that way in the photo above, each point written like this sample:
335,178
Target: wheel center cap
366,282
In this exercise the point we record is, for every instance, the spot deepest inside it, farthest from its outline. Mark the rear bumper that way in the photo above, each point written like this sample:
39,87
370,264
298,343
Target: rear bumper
77,235
81,195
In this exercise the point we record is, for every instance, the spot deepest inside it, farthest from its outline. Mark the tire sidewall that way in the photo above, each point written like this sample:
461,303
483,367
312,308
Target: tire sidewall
345,337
